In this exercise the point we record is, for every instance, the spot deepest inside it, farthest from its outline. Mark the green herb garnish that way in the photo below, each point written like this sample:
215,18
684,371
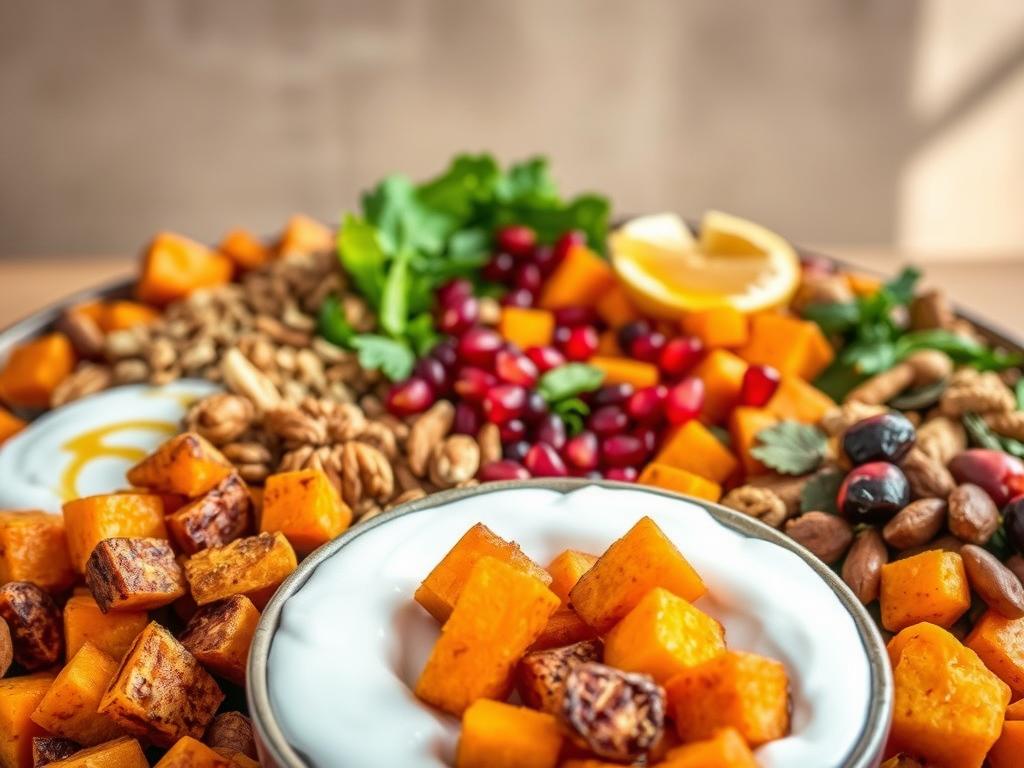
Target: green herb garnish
561,387
790,447
820,492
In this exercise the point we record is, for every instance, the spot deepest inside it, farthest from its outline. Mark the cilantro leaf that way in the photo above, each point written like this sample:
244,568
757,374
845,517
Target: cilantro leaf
833,318
469,181
391,356
572,411
790,447
569,380
529,182
362,257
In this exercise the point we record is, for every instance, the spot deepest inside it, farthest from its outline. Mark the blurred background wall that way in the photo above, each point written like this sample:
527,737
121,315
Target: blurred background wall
853,122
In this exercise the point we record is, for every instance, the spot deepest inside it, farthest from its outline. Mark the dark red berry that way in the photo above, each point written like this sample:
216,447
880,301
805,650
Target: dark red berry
518,297
582,451
528,277
680,355
446,352
565,243
885,437
992,470
646,406
512,431
873,492
570,317
467,419
545,358
551,430
649,437
544,257
503,469
473,383
759,384
515,368
504,402
410,396
454,289
608,420
612,394
622,451
458,315
515,450
432,371
684,400
478,346
622,474
1013,522
500,268
631,331
536,407
543,461
648,346
581,343
517,240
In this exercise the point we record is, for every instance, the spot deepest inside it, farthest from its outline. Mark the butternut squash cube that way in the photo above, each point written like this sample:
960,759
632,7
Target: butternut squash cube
49,749
662,636
999,642
694,448
303,234
722,373
244,249
732,690
717,326
160,692
527,327
580,280
566,569
1016,710
744,424
173,266
948,707
498,615
625,370
305,507
112,633
219,635
725,749
616,308
443,585
499,735
90,520
659,475
931,586
254,566
792,346
6,648
189,753
565,627
134,574
124,752
1009,749
69,707
19,697
122,315
10,425
186,464
34,369
34,547
799,400
541,675
631,567
219,517
33,619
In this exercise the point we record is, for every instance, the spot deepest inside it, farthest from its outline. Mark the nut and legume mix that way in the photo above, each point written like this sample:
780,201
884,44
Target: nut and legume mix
480,327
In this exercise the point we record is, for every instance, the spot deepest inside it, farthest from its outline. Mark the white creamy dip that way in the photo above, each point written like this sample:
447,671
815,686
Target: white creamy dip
352,641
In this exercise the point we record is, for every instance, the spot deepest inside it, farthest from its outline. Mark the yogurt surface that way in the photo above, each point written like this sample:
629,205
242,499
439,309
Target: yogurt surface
352,641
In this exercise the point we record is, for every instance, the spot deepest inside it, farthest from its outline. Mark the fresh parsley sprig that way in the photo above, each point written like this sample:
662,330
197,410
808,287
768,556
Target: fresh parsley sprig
561,387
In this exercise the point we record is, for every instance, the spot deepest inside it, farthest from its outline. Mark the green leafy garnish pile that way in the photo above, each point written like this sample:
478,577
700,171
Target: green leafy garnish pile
561,387
411,238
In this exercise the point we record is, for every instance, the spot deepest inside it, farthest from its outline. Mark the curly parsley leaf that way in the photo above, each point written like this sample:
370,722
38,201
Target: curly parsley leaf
790,447
569,380
391,356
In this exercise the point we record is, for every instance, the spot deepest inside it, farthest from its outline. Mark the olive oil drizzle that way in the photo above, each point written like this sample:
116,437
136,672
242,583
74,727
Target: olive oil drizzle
92,445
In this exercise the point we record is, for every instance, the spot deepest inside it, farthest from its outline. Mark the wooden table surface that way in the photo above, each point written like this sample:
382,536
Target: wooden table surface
991,286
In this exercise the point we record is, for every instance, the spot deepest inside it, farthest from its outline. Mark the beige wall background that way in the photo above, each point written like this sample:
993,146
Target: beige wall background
838,122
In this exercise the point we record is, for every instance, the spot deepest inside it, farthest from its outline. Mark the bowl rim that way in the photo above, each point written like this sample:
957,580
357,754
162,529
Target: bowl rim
866,752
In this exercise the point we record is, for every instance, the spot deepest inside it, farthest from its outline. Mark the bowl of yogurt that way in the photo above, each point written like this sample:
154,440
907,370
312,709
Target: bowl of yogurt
339,648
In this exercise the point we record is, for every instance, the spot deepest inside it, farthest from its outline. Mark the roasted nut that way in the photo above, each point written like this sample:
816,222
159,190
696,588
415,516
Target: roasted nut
996,584
826,536
941,438
614,714
927,476
862,570
761,503
134,574
976,392
365,473
6,648
786,487
50,749
489,440
947,543
429,429
973,516
218,518
83,332
916,524
838,420
883,387
931,309
454,461
231,730
35,624
541,675
244,378
930,366
221,418
1016,564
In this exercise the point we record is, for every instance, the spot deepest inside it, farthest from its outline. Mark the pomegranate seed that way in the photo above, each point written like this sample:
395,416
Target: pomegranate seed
536,407
504,402
612,394
517,240
680,355
503,469
649,437
515,368
410,396
512,431
685,400
645,406
608,420
622,451
467,419
474,383
545,358
581,451
551,430
518,297
581,343
454,289
458,315
992,470
499,269
478,346
528,277
648,346
543,461
544,258
446,353
515,450
630,331
622,474
573,316
759,384
565,243
432,371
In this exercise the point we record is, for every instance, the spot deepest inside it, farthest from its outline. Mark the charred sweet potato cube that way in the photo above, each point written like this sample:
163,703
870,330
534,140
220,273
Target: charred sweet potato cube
34,621
498,615
631,567
94,518
134,574
219,635
999,642
305,507
931,586
254,566
124,752
219,517
231,732
186,464
48,749
725,749
189,753
69,707
499,735
732,690
565,627
160,691
34,547
111,632
439,591
566,569
19,697
540,675
662,636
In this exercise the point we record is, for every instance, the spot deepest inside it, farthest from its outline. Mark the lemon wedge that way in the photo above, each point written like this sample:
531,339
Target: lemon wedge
735,263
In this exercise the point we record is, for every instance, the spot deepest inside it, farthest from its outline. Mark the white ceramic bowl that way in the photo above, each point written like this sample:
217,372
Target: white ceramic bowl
341,644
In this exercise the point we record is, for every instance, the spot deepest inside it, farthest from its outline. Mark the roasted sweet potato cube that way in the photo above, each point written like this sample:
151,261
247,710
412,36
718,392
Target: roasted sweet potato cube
34,547
999,642
219,635
48,749
565,627
442,587
948,707
6,648
1008,751
160,691
186,464
19,697
303,234
732,690
238,760
1016,710
498,615
540,675
134,574
124,752
725,749
215,519
662,636
631,567
931,586
566,569
499,735
305,507
231,732
34,622
111,632
92,519
254,566
69,707
10,425
189,753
